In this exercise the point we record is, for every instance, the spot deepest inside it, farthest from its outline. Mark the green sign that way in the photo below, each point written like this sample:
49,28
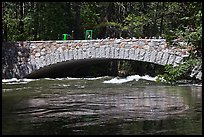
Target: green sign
65,36
88,34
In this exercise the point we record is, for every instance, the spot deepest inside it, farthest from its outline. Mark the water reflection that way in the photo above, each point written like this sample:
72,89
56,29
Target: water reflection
123,109
127,106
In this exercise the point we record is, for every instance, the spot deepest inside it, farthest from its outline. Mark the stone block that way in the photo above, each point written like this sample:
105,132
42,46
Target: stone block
171,59
71,55
26,71
107,52
43,62
60,49
80,54
112,52
177,60
37,61
57,57
142,54
75,54
88,52
30,68
65,53
48,60
153,56
93,52
61,55
97,52
54,57
126,53
52,60
37,54
159,58
199,75
102,52
165,58
84,53
117,41
132,54
32,60
137,54
117,52
147,56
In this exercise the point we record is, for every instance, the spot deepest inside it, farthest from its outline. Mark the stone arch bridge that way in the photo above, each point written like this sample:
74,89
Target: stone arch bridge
21,59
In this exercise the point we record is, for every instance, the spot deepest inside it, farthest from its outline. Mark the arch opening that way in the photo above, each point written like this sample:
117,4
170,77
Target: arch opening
96,68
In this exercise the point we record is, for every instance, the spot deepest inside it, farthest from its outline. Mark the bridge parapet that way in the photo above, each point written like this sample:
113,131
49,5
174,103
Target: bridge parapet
40,54
151,44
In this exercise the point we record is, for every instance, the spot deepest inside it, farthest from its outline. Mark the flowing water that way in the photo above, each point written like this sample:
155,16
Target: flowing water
103,105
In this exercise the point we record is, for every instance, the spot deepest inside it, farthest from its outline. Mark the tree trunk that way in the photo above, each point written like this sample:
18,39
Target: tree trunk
69,13
21,24
4,29
161,23
35,32
77,20
147,32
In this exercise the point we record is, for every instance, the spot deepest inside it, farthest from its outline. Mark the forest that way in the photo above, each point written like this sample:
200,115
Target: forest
33,21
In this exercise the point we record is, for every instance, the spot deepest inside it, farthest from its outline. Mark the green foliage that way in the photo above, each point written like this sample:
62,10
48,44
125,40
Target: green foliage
105,24
89,16
183,70
48,20
134,24
184,20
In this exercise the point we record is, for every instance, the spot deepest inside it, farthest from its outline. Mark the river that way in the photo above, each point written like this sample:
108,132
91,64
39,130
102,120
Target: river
101,106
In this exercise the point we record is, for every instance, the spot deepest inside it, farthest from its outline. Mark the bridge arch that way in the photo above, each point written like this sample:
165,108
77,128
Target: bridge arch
43,54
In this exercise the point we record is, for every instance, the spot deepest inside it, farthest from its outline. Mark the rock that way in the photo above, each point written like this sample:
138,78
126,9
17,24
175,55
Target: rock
117,41
199,75
37,55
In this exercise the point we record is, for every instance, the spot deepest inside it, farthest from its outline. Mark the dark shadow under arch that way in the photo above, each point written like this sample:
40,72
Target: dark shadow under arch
72,68
92,67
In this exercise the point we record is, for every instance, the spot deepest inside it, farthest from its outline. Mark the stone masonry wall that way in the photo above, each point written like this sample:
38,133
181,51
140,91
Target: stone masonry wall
22,58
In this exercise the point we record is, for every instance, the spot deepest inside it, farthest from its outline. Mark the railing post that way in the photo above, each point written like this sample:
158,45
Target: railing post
64,36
